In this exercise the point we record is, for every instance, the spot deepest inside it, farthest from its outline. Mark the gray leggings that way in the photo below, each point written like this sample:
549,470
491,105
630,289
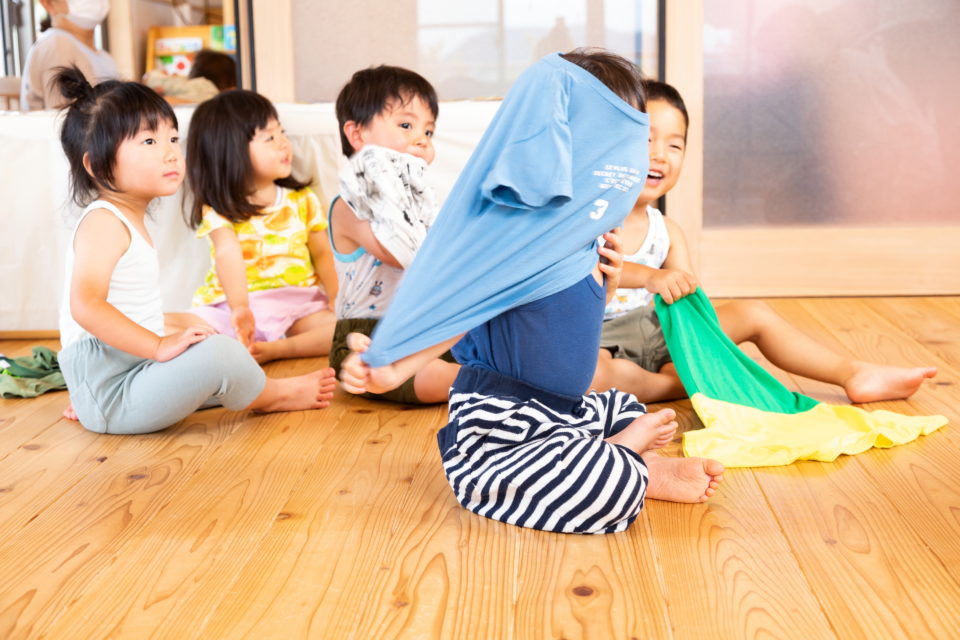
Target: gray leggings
113,391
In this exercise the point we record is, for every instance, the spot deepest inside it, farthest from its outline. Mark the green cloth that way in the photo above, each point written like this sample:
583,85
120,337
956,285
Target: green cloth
750,419
29,376
708,362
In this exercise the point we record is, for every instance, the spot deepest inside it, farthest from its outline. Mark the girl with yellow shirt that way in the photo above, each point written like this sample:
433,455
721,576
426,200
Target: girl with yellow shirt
272,283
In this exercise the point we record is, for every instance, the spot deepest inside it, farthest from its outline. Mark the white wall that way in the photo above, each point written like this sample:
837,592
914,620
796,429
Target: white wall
332,39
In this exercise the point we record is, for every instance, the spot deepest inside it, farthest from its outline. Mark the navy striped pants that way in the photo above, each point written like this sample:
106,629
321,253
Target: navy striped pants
529,457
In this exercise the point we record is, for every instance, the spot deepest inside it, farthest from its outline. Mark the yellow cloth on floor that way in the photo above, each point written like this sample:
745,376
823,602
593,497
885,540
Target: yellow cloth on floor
742,436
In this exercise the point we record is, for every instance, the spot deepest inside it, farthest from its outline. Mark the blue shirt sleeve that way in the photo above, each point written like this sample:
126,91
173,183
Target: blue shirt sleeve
534,169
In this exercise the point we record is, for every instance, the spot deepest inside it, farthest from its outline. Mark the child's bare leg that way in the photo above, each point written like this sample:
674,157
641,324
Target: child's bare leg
649,431
794,351
433,382
627,376
308,337
682,479
310,391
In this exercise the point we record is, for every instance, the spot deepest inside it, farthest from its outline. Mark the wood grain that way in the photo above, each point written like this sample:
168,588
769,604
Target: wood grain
580,587
873,576
728,569
340,524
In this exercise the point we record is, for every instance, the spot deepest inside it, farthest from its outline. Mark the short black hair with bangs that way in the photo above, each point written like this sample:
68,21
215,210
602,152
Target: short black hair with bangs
99,118
218,154
370,91
657,90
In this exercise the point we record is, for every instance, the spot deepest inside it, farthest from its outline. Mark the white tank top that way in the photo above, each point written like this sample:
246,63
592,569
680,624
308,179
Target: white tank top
652,253
134,283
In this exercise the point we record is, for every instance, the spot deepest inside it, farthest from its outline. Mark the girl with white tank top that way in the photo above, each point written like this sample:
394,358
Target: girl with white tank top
132,289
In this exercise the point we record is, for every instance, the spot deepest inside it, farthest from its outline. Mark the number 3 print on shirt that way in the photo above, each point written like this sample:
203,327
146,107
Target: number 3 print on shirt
601,208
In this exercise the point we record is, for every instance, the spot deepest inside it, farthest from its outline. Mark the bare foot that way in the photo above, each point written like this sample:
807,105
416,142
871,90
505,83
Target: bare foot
264,352
873,382
682,479
649,431
70,414
310,391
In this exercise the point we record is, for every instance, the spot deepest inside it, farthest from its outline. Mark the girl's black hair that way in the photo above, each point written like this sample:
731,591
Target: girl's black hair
99,118
370,91
657,90
619,74
218,154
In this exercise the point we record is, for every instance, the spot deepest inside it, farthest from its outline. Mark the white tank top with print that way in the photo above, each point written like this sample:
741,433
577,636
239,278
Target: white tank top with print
652,253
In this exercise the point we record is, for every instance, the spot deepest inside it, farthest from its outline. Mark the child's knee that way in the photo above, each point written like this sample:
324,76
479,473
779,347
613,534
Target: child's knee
747,308
227,372
226,352
754,314
219,343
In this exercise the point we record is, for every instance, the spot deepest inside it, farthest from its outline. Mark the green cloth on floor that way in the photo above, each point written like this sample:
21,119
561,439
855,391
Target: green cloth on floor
708,362
30,376
749,418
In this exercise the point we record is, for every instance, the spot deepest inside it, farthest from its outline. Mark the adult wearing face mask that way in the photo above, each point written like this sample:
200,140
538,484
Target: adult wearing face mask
68,42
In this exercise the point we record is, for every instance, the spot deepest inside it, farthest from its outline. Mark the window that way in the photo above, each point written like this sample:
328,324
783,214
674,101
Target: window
465,49
827,112
478,49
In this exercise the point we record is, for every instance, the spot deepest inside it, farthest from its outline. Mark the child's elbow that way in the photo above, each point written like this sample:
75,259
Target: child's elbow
81,309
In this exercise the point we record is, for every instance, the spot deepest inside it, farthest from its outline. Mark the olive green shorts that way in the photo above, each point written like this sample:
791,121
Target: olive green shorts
339,351
638,337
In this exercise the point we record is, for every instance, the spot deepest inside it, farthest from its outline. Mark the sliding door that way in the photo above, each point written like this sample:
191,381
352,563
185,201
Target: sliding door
830,144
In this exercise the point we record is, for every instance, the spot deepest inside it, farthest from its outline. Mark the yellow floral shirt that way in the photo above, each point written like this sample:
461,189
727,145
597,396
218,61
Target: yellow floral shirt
274,244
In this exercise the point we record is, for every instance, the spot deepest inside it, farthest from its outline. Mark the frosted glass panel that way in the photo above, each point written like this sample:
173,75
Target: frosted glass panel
831,112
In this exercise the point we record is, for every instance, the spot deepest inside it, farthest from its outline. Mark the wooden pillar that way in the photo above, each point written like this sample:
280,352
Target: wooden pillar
684,70
273,42
121,38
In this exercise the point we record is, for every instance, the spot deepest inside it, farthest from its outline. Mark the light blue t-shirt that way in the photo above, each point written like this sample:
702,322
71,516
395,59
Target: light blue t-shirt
562,162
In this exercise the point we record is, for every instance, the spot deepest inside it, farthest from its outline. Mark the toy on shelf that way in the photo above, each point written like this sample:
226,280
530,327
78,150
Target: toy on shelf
172,49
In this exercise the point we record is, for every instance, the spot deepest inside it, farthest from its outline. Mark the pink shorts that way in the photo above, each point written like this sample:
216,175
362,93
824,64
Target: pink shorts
273,309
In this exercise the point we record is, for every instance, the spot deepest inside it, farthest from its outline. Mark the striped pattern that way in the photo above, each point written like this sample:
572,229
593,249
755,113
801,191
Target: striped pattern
522,463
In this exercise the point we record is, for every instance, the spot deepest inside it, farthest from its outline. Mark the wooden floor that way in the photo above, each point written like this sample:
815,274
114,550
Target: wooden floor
340,524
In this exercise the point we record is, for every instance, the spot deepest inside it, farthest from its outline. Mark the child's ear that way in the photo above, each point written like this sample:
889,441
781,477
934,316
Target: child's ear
354,134
86,164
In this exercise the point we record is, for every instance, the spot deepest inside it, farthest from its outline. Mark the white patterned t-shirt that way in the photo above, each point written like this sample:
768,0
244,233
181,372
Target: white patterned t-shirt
367,285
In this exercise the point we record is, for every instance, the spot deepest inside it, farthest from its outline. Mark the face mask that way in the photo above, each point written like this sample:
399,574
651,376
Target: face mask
87,14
